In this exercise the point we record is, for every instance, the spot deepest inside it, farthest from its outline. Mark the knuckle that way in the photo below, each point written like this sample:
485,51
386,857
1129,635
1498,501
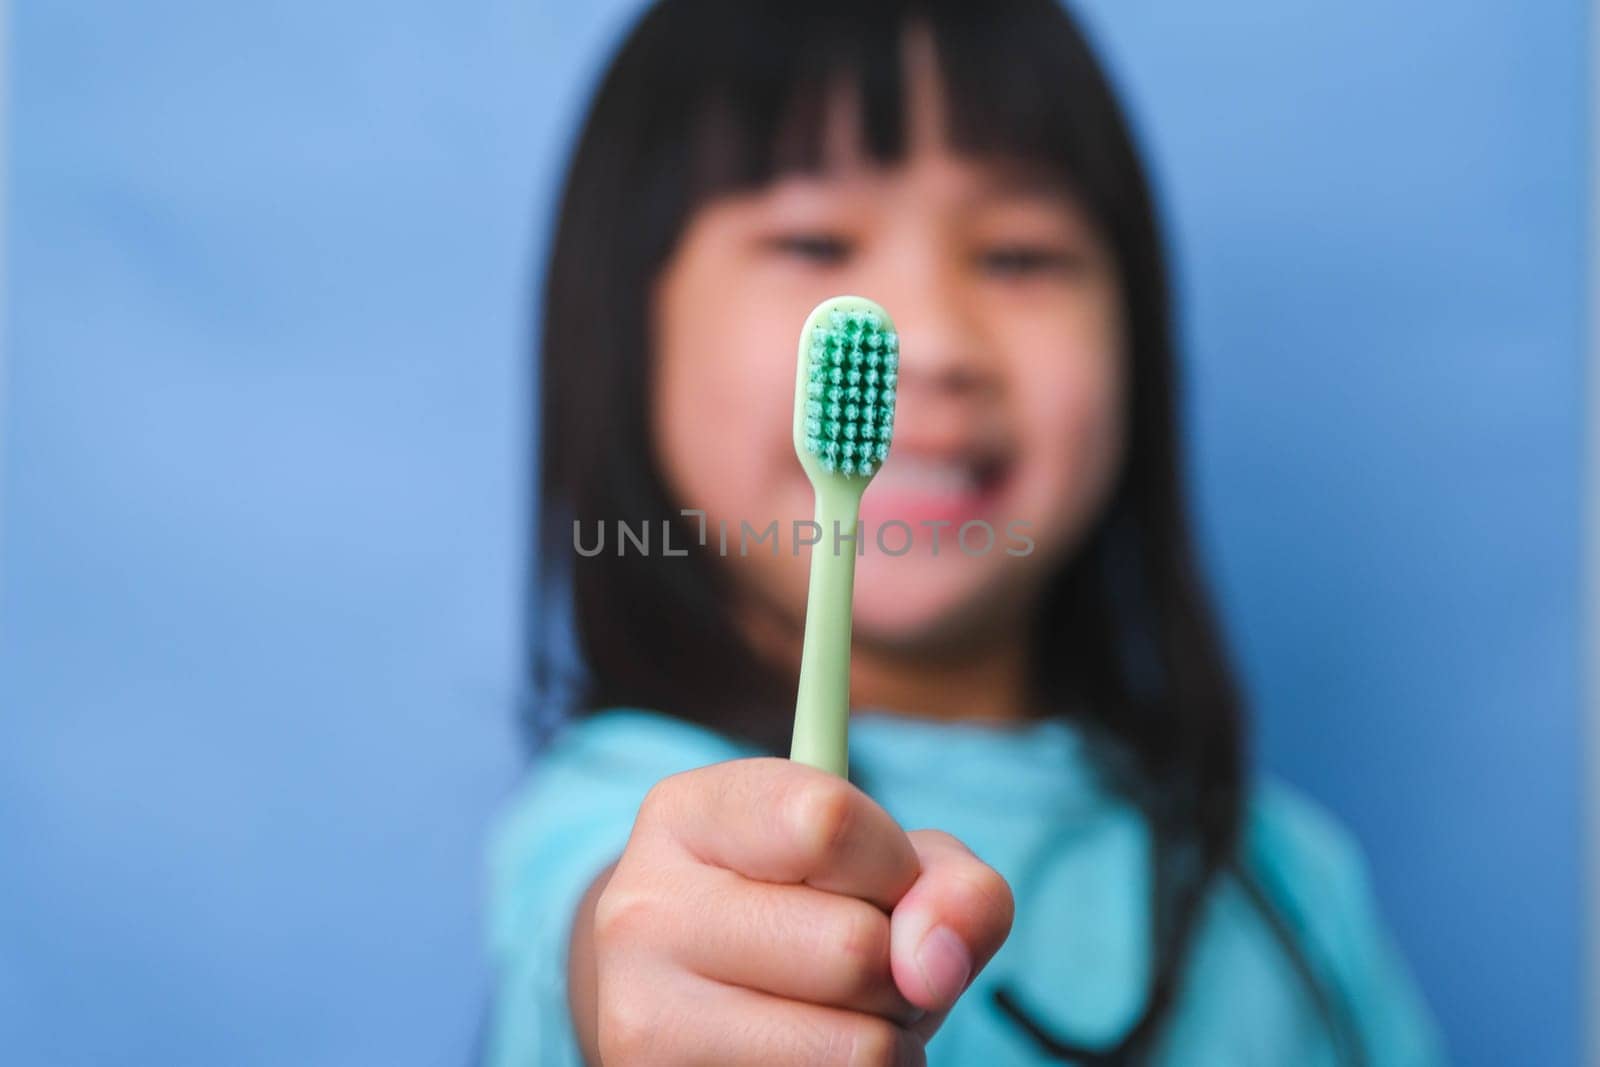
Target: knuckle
657,801
621,914
624,1029
820,814
859,949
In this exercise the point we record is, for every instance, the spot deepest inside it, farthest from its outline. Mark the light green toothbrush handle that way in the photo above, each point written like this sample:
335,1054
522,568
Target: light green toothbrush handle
822,708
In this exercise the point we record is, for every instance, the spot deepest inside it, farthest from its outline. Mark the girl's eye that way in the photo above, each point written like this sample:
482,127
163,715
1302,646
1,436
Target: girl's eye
818,249
1017,261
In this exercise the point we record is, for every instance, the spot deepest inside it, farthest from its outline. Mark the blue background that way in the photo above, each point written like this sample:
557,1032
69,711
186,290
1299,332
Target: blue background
262,471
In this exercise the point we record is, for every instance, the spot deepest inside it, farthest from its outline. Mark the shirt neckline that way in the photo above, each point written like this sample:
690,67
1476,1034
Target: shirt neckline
989,762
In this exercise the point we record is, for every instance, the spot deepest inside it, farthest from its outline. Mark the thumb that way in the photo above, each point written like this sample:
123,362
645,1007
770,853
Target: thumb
949,924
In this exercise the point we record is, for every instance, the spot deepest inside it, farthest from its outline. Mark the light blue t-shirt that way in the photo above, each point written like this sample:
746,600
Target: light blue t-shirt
1027,801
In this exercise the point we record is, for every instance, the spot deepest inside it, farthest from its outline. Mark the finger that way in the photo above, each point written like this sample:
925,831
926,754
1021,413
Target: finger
775,820
795,942
949,924
719,1025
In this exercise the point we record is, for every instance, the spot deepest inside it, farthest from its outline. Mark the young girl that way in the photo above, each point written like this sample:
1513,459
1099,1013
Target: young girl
1092,877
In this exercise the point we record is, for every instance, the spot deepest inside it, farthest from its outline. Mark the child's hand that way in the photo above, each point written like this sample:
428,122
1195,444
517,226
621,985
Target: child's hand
748,921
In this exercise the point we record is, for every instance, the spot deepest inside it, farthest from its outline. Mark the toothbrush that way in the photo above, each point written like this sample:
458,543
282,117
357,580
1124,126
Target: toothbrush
845,379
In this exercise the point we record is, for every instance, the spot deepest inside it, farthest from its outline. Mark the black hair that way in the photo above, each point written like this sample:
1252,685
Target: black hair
711,96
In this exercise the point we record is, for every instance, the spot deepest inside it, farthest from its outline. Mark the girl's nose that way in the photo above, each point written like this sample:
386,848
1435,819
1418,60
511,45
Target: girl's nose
944,350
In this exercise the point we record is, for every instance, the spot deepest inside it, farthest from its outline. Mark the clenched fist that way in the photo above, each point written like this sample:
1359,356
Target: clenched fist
765,912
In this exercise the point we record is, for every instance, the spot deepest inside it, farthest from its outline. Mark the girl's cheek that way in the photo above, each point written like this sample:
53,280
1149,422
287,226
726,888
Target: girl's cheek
716,405
1073,441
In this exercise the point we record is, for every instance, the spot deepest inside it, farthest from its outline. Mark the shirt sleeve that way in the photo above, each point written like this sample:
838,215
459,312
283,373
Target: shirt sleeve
1318,871
568,821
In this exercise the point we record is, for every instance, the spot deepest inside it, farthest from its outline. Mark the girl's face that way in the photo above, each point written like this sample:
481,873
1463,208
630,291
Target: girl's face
1010,394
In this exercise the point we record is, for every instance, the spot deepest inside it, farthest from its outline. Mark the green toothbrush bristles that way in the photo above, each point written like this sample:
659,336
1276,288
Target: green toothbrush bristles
850,388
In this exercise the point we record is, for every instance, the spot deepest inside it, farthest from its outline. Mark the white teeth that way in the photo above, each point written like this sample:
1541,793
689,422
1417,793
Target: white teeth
927,477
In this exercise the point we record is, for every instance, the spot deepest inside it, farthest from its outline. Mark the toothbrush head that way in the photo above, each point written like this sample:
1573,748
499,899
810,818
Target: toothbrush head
849,367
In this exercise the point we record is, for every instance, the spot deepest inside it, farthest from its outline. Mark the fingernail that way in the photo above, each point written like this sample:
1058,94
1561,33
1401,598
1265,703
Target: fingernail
945,964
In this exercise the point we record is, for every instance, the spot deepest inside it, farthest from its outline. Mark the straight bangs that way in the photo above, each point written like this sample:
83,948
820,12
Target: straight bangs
757,106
